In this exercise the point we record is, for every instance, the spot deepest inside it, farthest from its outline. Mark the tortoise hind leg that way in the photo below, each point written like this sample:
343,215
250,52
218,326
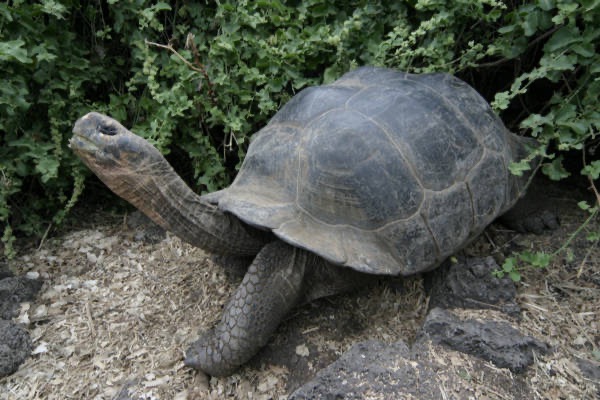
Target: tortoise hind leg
325,279
534,212
270,288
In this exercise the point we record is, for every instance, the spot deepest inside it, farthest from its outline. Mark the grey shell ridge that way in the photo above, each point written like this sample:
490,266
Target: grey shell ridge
381,171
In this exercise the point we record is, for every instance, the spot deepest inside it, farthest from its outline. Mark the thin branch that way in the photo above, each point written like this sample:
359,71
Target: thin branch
171,49
45,236
190,44
199,67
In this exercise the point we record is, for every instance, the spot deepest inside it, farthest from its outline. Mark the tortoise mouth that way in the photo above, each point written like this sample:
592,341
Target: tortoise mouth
80,143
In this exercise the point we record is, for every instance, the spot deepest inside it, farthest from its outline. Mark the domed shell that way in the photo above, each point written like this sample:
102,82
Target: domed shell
381,171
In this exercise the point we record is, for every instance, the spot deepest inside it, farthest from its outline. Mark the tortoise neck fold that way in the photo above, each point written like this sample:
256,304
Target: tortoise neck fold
165,198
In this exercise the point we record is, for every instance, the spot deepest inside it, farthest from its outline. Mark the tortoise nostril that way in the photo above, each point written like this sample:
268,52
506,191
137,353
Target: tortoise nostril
107,130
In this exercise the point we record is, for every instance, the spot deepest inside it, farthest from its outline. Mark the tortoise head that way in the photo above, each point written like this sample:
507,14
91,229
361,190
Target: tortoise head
133,169
125,162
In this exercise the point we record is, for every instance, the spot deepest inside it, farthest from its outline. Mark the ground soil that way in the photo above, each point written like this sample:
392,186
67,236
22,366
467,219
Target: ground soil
115,316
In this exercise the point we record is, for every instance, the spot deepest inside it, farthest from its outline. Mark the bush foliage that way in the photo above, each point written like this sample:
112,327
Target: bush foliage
197,78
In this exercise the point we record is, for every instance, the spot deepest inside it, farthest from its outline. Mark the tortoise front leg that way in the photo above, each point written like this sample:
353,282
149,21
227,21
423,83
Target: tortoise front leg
270,288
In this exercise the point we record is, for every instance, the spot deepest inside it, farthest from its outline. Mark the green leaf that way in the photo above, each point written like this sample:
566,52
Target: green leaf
48,168
501,101
535,120
555,169
566,112
507,29
590,5
13,50
583,205
41,53
531,22
579,127
498,273
546,5
585,50
161,6
561,63
509,264
331,74
54,8
592,169
536,259
593,236
562,38
515,276
542,260
517,168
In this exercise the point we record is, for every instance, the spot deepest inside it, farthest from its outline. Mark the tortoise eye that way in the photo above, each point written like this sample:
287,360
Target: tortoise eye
107,130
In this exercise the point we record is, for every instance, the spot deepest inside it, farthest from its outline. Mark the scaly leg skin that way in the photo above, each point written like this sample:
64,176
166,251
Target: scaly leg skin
272,286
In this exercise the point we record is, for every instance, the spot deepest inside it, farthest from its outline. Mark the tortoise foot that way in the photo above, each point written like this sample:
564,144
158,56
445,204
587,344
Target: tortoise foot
211,355
271,287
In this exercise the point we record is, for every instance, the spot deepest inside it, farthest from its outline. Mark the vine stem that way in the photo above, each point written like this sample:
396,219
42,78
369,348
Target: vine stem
574,234
592,185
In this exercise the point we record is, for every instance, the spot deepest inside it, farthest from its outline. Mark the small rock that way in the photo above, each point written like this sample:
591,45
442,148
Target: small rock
493,341
302,350
41,348
15,290
32,275
373,367
15,347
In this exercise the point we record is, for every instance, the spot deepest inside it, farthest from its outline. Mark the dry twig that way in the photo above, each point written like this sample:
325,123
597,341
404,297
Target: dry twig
196,66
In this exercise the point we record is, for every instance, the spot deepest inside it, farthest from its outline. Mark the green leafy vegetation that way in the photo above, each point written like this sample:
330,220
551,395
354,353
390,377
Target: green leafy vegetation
198,78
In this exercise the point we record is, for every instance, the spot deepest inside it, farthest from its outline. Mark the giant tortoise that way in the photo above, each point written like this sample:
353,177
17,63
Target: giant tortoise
381,172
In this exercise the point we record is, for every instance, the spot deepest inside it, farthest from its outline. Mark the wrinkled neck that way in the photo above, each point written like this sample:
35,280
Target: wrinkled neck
165,198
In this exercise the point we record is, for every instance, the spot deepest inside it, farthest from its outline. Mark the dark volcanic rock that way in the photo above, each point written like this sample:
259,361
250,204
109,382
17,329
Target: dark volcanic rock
15,347
373,367
471,284
15,344
377,370
15,290
494,341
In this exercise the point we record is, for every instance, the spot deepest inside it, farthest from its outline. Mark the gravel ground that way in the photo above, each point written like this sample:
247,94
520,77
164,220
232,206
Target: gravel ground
115,316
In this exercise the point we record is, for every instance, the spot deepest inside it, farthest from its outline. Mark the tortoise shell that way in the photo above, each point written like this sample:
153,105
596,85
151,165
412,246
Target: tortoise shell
381,171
